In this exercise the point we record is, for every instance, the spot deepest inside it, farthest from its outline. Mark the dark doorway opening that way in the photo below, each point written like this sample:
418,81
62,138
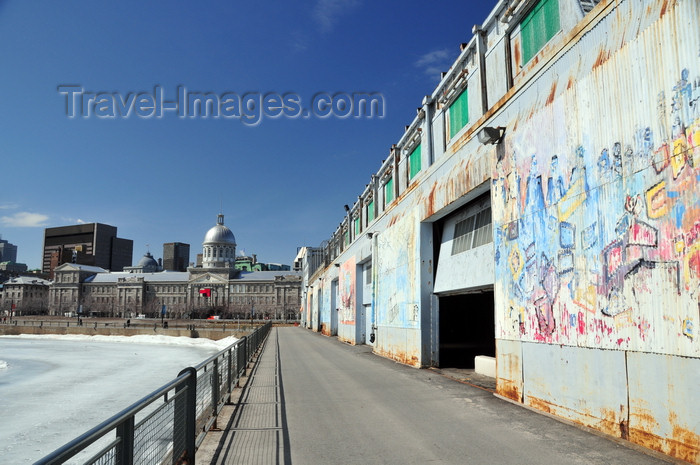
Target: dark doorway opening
466,329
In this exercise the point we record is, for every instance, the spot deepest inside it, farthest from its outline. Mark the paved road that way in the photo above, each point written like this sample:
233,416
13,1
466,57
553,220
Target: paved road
340,404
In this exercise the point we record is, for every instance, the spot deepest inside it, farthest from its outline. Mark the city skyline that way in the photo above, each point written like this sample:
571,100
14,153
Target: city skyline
281,182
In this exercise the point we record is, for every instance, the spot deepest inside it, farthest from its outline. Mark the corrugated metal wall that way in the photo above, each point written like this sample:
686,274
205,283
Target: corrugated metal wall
596,220
597,224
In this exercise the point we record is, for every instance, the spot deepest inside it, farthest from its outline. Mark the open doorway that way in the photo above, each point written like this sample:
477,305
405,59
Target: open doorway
467,328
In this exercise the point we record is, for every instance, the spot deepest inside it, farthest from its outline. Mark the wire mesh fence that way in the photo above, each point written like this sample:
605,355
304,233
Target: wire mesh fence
169,424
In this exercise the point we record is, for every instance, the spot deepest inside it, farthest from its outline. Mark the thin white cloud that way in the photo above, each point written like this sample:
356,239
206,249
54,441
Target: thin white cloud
67,220
24,220
8,206
298,41
326,12
434,62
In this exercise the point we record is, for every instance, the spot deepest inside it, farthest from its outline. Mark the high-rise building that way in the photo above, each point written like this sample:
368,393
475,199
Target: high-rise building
94,244
8,252
176,256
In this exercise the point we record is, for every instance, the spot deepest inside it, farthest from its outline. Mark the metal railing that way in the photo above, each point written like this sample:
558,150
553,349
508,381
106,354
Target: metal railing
168,425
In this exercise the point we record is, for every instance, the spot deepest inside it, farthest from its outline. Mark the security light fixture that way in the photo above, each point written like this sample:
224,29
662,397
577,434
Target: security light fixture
347,209
370,234
490,135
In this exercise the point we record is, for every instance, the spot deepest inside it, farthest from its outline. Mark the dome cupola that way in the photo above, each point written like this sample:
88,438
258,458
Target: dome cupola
219,246
149,263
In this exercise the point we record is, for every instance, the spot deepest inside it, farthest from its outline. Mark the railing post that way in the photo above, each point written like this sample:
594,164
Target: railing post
240,357
185,422
229,379
125,449
215,388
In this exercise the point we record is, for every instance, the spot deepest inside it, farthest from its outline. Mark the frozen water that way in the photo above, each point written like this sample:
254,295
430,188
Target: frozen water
55,388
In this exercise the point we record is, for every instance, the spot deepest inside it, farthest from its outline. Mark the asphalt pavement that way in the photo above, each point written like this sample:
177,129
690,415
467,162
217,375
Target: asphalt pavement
313,400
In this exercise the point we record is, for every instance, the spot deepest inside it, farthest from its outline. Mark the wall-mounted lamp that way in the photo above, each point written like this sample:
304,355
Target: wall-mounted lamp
337,265
347,209
490,135
370,234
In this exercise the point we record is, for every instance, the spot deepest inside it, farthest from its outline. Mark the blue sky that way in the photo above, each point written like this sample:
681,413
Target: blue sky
282,183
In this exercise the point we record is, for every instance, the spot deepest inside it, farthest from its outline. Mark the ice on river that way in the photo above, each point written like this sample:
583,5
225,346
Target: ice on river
55,388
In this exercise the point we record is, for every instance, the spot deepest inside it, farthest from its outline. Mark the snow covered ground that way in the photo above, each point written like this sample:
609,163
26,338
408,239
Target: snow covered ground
55,388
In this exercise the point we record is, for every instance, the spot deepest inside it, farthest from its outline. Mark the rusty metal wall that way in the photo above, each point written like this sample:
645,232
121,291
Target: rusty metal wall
596,220
548,372
663,404
596,205
596,208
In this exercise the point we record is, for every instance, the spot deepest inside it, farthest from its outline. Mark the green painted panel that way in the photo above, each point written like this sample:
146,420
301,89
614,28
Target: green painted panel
459,113
414,162
389,191
540,25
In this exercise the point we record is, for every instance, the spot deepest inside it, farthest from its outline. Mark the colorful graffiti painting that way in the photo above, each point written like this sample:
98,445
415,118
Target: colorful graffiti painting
397,296
633,270
346,282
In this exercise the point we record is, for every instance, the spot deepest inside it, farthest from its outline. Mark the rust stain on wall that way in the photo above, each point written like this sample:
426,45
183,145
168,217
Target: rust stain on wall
539,404
607,420
399,355
683,443
344,339
430,207
509,389
612,422
552,92
646,439
603,56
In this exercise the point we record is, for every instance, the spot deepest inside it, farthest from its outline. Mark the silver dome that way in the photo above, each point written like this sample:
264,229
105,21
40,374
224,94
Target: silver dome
220,234
148,261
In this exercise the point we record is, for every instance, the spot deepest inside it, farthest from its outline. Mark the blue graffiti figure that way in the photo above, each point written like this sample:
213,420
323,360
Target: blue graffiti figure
555,183
684,91
617,158
534,200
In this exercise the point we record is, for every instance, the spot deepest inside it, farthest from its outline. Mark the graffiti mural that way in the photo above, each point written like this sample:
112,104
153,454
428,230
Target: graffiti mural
599,245
346,281
397,286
